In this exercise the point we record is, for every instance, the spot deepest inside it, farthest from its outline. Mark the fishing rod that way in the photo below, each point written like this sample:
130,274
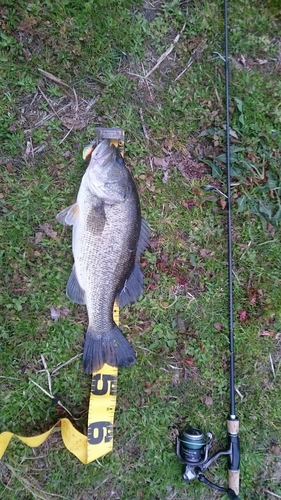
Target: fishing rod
193,448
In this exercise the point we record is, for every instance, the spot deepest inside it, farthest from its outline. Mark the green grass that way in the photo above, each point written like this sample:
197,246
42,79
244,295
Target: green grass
179,328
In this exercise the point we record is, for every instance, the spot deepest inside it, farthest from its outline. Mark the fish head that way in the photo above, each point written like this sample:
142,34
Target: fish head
106,178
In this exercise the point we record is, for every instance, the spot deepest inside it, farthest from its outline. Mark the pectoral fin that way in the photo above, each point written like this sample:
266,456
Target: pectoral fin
73,290
132,289
68,216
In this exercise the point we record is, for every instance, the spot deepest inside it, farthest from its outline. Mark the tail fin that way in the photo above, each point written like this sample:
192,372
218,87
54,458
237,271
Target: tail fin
110,347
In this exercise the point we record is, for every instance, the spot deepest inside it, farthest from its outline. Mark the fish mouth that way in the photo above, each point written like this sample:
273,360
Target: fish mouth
102,154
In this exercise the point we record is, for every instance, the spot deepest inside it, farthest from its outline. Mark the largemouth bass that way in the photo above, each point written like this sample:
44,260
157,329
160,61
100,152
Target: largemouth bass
108,236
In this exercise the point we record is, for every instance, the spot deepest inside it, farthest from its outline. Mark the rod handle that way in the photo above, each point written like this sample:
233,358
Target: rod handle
234,458
233,480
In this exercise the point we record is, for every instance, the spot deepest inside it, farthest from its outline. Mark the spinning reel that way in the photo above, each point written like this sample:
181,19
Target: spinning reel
193,450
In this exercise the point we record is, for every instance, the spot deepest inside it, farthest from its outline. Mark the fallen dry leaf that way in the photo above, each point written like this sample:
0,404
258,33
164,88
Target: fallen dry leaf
188,361
57,312
161,162
242,315
266,333
181,325
48,230
207,400
10,167
242,59
271,229
165,177
74,123
223,203
38,238
189,203
204,252
218,326
29,149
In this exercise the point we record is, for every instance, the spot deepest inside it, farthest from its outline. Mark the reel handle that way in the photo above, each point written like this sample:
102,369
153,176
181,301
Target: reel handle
234,457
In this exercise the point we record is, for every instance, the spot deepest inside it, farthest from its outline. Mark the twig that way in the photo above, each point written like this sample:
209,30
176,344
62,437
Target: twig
218,97
235,276
53,78
50,115
165,54
48,101
272,366
194,55
239,393
66,135
9,378
30,484
143,125
42,389
91,103
50,393
66,363
190,62
39,149
174,494
104,481
47,117
266,242
76,101
34,98
147,83
145,349
135,74
48,373
246,249
272,494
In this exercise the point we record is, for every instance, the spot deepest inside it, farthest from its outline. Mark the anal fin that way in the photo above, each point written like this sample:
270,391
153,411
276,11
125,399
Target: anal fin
73,290
133,287
143,237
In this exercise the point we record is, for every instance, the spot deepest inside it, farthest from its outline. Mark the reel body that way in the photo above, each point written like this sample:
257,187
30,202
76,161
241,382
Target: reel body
193,449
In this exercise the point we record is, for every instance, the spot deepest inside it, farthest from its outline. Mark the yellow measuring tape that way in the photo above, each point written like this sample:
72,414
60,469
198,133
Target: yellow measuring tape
99,439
